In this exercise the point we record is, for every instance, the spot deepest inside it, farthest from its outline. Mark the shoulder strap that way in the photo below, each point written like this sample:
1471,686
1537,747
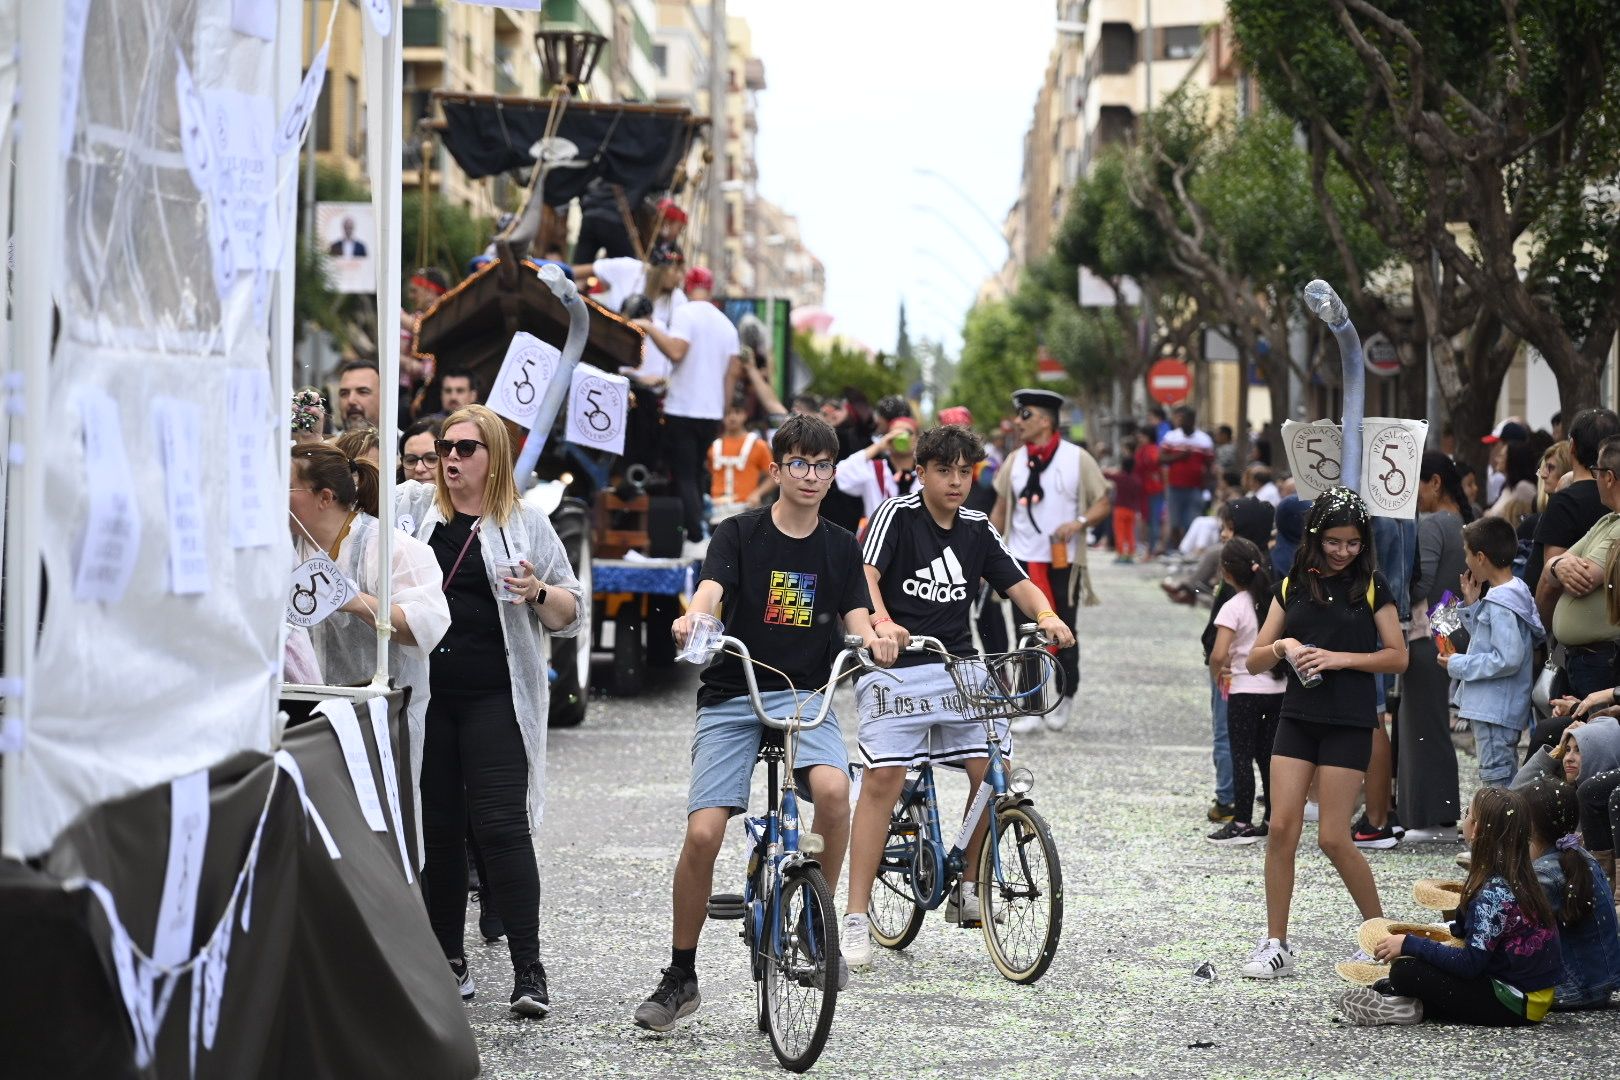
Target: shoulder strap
1372,590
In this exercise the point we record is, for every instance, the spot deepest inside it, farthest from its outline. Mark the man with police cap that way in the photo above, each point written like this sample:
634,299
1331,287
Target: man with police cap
1048,493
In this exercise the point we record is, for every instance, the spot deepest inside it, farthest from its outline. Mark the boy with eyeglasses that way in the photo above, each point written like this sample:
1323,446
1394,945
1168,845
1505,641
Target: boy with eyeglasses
791,584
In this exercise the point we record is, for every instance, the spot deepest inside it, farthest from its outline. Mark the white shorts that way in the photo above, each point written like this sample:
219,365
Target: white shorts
914,715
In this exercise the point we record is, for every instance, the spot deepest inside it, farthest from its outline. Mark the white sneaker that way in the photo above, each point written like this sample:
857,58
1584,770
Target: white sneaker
1366,1007
1270,961
857,943
694,549
1059,718
1312,812
1024,725
963,906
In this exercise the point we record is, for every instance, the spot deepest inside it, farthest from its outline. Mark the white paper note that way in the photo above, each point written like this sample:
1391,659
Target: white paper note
112,531
526,371
318,588
381,13
75,17
340,713
598,406
196,139
177,425
254,508
188,837
256,18
295,121
385,758
243,126
1313,452
1392,451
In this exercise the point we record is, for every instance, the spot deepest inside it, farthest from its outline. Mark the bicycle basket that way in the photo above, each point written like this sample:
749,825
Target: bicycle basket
1024,682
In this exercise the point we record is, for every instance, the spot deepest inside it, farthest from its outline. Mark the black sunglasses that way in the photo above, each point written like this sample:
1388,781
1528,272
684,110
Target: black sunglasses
1025,414
465,448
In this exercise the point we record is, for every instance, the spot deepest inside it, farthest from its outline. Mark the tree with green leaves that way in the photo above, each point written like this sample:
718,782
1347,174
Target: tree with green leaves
1481,137
835,367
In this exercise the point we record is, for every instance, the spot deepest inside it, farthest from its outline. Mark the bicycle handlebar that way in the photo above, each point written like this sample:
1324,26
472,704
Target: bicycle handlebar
785,723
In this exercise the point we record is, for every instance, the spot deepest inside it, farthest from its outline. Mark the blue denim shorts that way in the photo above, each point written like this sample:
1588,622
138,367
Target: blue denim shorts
725,748
1497,747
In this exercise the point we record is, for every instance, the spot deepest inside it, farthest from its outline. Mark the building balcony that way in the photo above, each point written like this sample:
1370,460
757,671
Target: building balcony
422,26
1111,91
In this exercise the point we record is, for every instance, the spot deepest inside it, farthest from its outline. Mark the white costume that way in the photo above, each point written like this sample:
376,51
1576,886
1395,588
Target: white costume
527,532
347,647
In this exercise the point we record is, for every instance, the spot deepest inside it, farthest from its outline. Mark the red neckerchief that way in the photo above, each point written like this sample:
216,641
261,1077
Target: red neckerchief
1042,454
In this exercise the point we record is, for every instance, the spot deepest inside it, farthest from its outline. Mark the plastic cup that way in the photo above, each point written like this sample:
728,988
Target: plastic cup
509,566
703,641
1307,681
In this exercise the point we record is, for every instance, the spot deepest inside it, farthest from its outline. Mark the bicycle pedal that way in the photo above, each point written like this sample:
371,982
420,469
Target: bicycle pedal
726,907
811,843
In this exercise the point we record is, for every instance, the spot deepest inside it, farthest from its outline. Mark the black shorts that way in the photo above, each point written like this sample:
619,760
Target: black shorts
1336,745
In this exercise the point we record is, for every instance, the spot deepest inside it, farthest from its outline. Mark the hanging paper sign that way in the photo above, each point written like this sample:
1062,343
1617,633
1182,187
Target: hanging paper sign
1313,452
180,450
196,138
318,589
526,371
254,512
340,713
598,404
385,758
242,126
112,531
1392,452
256,18
295,121
188,836
381,13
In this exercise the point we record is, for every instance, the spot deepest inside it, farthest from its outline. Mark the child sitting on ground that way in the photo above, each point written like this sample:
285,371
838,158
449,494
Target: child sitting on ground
1497,672
1578,890
1504,973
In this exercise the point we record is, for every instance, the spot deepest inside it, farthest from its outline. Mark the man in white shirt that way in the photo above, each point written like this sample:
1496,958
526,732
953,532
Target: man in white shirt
886,468
702,346
658,279
1048,492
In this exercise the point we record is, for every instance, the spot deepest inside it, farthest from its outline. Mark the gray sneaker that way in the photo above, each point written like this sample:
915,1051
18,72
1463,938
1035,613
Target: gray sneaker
1366,1007
464,979
675,999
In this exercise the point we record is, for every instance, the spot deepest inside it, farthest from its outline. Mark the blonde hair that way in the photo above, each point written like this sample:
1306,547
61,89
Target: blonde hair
358,442
1562,456
500,489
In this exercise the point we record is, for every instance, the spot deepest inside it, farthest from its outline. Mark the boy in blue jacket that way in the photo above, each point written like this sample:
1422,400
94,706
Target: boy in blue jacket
1495,675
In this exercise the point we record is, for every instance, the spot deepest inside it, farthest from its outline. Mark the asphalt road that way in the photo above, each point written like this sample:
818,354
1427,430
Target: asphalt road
1147,901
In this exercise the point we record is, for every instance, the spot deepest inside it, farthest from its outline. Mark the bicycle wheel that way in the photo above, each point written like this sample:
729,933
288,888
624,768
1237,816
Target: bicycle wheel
801,983
1023,904
895,910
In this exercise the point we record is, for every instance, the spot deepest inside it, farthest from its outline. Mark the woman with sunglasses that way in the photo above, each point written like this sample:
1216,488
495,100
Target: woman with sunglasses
507,579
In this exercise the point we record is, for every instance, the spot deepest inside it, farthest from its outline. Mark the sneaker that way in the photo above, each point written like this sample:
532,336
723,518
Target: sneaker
1312,811
693,550
1059,718
490,925
1366,1007
675,999
529,997
1366,836
1440,834
464,979
963,906
1220,812
1395,825
1024,725
1234,835
1272,960
857,944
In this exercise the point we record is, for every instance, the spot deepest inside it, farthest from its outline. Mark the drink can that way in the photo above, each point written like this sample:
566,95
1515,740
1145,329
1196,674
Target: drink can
1060,554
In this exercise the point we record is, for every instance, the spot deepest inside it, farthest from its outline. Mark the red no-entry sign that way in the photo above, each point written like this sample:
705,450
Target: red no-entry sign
1169,382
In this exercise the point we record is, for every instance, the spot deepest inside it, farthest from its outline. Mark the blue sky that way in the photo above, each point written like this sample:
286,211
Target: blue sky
861,95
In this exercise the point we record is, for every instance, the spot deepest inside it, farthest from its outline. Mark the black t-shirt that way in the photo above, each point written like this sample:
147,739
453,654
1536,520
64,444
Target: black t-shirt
472,654
1342,623
930,576
784,599
1570,514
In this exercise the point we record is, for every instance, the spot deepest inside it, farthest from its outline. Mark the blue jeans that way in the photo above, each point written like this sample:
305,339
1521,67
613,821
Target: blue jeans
1185,506
1589,672
1496,745
1155,518
1225,787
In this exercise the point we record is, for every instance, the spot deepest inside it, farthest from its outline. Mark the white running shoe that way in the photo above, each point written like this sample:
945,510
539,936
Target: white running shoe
1272,960
1366,1007
1059,718
963,906
1312,812
1024,725
857,943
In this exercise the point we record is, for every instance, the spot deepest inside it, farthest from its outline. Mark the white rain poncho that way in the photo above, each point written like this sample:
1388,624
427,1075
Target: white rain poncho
347,646
528,532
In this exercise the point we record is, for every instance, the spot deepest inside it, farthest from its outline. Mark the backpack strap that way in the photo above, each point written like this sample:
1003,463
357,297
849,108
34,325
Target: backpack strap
1372,590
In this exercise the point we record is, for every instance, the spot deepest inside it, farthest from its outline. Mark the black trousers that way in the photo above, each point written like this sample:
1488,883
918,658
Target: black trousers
1600,809
686,441
605,235
1068,659
475,772
1251,726
1447,997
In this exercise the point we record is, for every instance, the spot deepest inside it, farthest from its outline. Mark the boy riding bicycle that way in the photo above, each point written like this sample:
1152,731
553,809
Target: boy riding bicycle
786,577
924,558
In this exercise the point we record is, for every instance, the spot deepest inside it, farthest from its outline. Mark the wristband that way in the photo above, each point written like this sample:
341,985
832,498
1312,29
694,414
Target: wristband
880,620
1275,654
1039,615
